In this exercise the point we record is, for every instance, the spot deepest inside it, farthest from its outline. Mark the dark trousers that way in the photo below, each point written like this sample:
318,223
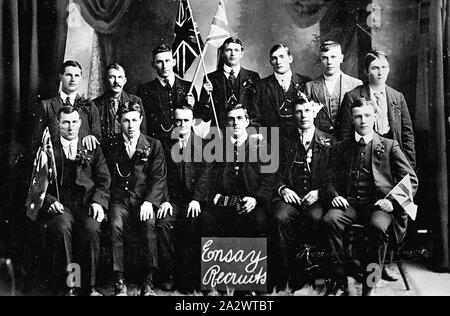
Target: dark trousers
290,226
377,222
157,235
58,231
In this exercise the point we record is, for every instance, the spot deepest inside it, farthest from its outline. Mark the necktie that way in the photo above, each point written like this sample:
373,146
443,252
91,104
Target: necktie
167,84
232,78
382,124
67,102
129,149
362,142
70,155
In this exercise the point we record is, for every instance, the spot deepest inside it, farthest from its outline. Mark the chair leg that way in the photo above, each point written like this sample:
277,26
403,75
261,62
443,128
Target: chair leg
401,268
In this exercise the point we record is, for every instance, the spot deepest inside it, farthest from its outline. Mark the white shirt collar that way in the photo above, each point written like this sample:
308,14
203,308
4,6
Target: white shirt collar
64,97
284,79
240,140
66,143
133,140
227,69
171,80
382,91
308,135
334,77
367,139
184,140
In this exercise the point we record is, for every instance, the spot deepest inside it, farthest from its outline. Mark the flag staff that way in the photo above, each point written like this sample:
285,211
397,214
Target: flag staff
204,67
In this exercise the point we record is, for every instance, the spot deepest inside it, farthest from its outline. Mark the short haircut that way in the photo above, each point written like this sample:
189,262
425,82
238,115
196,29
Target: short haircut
70,63
278,46
67,110
327,45
185,107
163,48
360,102
232,40
128,107
299,100
115,66
237,106
373,55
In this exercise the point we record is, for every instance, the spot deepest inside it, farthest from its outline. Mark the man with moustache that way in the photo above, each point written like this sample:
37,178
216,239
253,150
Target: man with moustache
138,171
71,76
108,104
366,168
394,120
75,207
274,94
230,82
329,89
164,94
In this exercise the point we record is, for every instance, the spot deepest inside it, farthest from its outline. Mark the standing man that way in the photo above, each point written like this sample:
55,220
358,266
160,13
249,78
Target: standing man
367,167
304,169
230,83
274,94
188,187
108,104
83,186
164,94
329,89
138,170
71,76
394,120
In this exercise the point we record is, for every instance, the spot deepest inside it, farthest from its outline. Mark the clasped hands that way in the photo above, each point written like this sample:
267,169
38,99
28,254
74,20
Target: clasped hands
290,197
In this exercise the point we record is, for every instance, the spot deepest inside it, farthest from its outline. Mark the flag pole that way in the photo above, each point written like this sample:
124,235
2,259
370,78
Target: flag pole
204,68
197,69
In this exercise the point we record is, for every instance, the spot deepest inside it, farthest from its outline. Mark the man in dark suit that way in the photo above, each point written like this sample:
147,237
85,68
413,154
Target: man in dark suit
164,94
187,196
138,170
230,82
71,76
243,188
394,121
108,104
77,203
366,168
329,89
275,93
303,175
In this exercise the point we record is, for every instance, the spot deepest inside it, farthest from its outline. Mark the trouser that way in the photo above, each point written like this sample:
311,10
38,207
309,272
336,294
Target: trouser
157,235
58,233
291,226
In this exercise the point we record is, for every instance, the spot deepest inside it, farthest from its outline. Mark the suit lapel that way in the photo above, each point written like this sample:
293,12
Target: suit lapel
319,89
273,94
56,103
317,155
391,101
141,145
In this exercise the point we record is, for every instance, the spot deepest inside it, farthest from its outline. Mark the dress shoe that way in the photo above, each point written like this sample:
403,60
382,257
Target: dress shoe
71,292
95,293
337,286
148,289
121,288
388,275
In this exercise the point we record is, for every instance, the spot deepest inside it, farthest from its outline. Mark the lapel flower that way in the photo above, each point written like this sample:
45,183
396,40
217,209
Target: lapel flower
325,142
144,154
380,150
255,141
83,157
309,156
249,84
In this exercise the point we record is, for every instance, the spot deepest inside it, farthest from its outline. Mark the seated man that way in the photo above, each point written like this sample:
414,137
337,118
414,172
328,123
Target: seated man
304,165
83,189
243,190
138,170
187,182
366,168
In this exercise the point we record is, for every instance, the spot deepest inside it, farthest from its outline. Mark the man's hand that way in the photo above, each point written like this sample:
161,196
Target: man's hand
340,202
250,204
385,205
146,212
190,99
97,212
90,142
164,209
208,87
311,198
56,208
194,209
290,197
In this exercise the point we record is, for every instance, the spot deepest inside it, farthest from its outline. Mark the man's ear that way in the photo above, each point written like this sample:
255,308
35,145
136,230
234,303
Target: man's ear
291,59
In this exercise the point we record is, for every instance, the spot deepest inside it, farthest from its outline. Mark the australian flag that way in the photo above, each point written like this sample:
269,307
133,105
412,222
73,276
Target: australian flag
185,46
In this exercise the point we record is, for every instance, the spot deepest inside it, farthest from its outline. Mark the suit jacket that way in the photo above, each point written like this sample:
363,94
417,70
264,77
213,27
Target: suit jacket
388,169
315,91
148,179
196,171
103,105
47,115
398,114
158,115
93,176
267,100
322,146
246,81
259,185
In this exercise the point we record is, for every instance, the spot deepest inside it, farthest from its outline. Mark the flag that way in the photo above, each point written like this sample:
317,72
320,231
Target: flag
43,170
185,46
403,194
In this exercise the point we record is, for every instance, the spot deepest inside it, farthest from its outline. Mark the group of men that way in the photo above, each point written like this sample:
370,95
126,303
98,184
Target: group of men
172,187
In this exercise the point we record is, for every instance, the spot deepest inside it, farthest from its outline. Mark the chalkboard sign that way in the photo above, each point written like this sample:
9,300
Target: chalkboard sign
238,264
